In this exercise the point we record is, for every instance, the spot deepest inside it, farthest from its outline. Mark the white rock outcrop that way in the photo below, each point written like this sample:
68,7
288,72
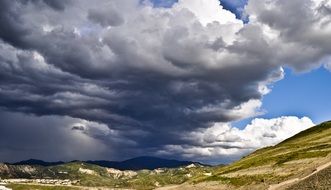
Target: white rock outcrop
4,188
118,173
87,171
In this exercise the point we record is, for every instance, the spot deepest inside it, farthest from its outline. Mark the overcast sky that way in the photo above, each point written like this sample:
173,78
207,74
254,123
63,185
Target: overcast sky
198,80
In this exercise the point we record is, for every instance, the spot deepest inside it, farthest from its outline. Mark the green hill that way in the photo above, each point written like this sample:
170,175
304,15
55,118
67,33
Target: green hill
89,175
295,157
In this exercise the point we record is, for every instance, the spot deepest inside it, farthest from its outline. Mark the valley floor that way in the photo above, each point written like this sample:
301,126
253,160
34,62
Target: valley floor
200,186
33,186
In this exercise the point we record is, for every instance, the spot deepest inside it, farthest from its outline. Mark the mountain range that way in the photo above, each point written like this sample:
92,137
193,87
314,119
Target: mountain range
138,163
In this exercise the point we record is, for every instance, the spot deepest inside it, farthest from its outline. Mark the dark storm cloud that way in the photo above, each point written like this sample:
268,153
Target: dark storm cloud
11,30
149,74
49,138
59,5
14,28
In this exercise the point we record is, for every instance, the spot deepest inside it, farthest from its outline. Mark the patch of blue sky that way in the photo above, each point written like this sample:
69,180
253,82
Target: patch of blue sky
235,6
307,94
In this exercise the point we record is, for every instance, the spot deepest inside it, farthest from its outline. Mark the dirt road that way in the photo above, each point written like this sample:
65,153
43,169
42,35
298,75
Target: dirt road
296,180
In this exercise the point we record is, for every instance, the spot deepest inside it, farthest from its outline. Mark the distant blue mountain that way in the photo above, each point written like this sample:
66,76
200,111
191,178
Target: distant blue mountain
37,162
138,163
144,162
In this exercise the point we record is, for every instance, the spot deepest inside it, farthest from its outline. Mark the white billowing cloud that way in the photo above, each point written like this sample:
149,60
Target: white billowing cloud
225,141
327,63
266,132
222,23
208,11
91,128
328,66
250,108
299,30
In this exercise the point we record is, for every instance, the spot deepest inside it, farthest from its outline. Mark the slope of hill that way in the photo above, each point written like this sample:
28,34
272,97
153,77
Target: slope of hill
89,175
318,181
293,158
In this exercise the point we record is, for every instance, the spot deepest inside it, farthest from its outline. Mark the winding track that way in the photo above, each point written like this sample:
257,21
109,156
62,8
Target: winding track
296,180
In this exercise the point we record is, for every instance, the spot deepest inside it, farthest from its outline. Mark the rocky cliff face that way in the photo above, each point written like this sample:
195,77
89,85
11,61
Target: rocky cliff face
10,171
4,168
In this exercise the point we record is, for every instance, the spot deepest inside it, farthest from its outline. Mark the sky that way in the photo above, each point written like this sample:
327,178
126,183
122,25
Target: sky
199,80
297,91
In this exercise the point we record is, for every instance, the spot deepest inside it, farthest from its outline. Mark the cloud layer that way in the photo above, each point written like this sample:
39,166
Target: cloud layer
228,143
152,74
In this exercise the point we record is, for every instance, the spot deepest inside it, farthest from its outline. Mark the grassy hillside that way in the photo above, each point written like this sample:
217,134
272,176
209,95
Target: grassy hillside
295,157
39,187
89,175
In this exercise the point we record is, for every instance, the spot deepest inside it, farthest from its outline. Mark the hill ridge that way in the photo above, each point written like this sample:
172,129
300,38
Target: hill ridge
136,163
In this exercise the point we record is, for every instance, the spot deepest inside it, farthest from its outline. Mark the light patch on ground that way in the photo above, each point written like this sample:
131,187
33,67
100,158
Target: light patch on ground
4,188
118,173
87,171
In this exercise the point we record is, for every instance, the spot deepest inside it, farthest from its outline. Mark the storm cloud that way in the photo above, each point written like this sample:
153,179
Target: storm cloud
25,136
150,74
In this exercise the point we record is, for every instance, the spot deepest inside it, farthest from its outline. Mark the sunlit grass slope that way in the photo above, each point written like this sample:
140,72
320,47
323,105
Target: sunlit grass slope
295,157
